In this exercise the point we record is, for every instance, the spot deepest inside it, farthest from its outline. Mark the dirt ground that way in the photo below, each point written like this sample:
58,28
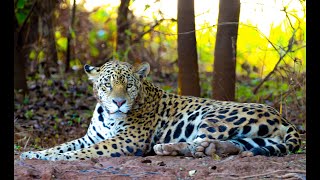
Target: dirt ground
165,167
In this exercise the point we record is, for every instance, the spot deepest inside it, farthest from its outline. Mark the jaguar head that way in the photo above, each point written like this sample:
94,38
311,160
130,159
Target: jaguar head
116,85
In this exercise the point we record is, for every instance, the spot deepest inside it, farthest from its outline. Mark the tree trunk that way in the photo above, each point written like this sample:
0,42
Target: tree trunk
43,13
46,33
123,39
224,68
38,29
69,40
20,82
188,80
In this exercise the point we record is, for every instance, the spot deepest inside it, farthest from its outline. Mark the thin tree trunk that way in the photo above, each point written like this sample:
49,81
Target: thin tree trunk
52,42
188,80
69,38
20,82
224,72
123,39
46,33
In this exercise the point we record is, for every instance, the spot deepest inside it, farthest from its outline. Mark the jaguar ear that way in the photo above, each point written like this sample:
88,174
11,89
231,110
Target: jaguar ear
142,70
91,71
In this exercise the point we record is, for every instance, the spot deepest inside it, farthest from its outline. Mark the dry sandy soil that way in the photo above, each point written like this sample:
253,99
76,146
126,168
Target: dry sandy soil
165,167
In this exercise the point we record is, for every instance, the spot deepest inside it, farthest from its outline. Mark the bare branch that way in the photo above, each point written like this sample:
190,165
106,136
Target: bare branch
298,48
189,32
289,49
269,174
140,36
273,172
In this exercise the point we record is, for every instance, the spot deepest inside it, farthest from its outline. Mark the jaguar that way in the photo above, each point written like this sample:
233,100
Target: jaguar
134,117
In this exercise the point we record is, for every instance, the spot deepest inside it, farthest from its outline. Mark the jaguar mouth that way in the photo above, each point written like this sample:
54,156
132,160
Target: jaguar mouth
117,112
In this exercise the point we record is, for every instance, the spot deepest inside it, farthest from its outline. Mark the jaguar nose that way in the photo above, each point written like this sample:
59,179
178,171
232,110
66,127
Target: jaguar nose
119,102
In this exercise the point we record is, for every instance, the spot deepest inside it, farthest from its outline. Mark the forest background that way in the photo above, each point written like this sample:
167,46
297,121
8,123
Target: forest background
54,39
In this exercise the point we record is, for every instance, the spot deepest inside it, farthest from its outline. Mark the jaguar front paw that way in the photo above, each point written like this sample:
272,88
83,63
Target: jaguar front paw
33,155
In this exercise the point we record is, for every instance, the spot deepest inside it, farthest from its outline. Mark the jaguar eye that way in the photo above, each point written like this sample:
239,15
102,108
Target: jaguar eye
108,85
129,85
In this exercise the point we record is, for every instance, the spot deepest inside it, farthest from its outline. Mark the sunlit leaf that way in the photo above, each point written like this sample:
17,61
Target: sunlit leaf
284,87
57,34
41,56
147,6
62,43
32,55
92,37
49,82
73,34
100,16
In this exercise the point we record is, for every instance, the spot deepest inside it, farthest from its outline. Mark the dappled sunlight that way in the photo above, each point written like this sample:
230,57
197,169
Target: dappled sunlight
259,20
261,13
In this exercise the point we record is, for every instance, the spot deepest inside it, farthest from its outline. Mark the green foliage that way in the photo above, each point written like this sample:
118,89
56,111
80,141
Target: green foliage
41,56
128,32
62,43
206,84
26,100
100,16
17,147
73,33
205,47
244,92
49,82
70,123
21,11
21,3
74,119
28,114
147,6
21,17
94,51
32,55
167,88
57,34
275,91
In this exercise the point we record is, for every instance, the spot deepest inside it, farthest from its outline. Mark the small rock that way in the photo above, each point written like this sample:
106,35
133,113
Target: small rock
98,165
146,161
192,172
95,160
205,164
160,163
